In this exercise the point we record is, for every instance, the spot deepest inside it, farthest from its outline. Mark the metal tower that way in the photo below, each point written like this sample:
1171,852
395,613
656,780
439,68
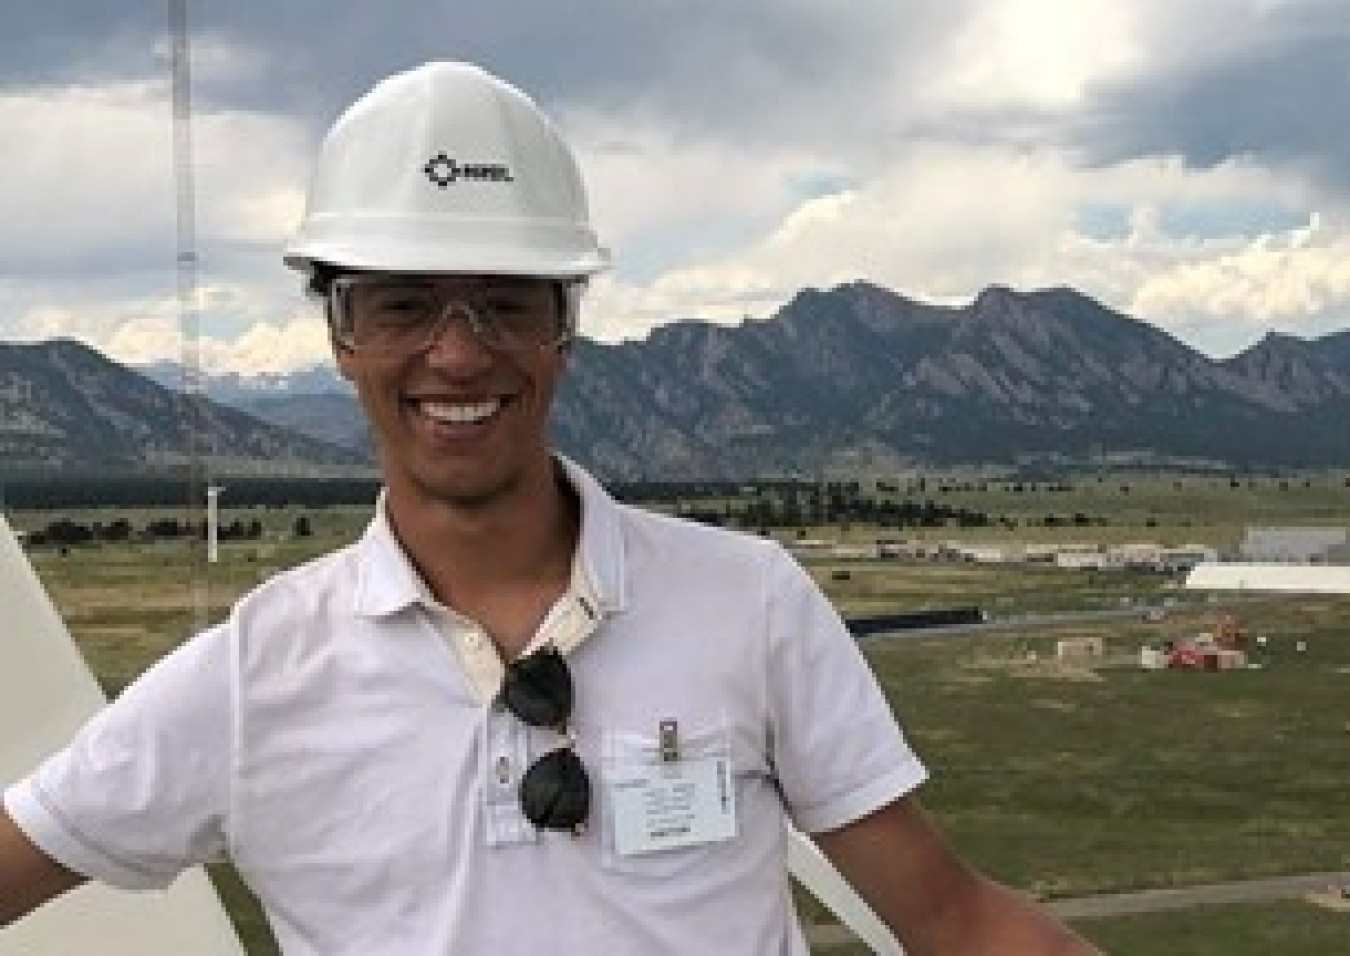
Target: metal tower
190,399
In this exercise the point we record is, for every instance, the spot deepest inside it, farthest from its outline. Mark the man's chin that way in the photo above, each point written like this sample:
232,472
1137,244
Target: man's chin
468,491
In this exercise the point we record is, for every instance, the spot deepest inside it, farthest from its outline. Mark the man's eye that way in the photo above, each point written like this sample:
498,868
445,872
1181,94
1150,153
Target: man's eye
400,304
504,304
403,305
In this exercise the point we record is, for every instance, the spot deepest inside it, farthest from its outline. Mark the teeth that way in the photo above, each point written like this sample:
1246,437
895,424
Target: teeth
460,414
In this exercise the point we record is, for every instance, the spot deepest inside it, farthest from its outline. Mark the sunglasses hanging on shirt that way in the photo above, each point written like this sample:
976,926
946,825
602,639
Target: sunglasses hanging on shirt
555,793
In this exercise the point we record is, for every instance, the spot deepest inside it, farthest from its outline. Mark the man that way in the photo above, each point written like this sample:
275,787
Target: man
515,717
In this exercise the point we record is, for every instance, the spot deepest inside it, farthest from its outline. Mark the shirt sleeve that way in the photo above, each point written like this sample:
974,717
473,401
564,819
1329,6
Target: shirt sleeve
837,750
141,792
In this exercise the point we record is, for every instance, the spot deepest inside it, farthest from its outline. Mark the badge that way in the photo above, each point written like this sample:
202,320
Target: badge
672,804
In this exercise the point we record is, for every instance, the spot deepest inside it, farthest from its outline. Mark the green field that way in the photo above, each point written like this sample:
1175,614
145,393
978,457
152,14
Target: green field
1062,781
1285,928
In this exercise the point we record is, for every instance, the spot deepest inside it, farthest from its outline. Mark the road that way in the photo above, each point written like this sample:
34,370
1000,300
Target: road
1150,901
1049,620
824,937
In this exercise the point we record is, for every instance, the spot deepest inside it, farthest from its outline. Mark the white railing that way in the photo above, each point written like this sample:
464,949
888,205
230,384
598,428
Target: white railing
818,875
46,693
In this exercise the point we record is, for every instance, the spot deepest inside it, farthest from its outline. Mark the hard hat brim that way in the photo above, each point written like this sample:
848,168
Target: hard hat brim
555,250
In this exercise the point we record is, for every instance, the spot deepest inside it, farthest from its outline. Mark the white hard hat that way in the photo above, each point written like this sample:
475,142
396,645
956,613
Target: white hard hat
446,168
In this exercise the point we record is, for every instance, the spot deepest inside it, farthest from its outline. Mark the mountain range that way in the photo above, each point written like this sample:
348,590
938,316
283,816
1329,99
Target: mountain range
852,378
66,408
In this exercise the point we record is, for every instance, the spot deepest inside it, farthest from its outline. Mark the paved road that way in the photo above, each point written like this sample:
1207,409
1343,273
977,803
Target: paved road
827,936
1049,620
1149,901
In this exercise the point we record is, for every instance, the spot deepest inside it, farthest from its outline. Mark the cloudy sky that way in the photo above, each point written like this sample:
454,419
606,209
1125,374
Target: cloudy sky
1183,161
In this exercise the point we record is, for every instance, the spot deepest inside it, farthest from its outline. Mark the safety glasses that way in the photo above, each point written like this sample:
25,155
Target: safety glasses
397,316
555,793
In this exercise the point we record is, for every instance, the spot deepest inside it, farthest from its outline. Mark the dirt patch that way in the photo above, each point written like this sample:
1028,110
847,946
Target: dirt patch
1043,668
1331,898
113,632
1056,670
97,600
966,679
1047,668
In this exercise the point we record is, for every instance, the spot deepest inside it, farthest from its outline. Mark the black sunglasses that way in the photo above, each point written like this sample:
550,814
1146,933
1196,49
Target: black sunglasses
555,793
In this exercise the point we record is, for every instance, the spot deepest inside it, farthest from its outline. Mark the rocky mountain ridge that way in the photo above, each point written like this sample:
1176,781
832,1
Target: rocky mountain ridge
855,377
861,377
66,408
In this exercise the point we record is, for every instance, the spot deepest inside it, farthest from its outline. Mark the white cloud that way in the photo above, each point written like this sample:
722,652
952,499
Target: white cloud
42,323
645,184
142,339
732,159
267,333
920,228
1279,279
88,212
88,176
1028,53
948,220
298,342
250,177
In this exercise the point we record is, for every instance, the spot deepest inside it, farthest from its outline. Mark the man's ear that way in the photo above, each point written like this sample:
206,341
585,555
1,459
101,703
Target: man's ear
342,354
344,357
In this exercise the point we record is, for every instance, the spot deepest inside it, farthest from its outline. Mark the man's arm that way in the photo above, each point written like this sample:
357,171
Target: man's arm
933,901
28,877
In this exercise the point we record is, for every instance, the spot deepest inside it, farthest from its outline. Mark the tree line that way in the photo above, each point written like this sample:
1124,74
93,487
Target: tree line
829,503
65,533
778,500
57,493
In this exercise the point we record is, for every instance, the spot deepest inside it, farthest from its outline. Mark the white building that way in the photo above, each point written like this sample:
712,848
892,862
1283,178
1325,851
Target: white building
989,553
1186,556
1295,544
1080,557
853,552
1136,555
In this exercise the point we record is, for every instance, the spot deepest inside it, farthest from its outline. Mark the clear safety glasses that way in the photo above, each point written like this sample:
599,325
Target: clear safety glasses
401,315
555,793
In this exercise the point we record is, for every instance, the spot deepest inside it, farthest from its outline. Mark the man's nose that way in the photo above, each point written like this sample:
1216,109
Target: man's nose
454,335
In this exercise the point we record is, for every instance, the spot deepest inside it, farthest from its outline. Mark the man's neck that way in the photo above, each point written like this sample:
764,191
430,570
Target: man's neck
518,546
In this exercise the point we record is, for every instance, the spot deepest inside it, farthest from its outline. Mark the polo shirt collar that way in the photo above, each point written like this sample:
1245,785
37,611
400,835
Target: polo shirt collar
598,570
388,582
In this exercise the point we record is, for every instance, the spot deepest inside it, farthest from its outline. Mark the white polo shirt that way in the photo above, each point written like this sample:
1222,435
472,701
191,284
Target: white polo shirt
336,737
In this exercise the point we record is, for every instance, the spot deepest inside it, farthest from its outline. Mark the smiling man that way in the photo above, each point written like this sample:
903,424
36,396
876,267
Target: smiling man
516,716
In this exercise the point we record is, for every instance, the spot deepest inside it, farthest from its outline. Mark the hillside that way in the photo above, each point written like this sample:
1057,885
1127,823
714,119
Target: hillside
841,379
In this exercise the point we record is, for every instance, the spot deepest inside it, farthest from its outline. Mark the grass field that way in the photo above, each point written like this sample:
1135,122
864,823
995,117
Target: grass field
1283,928
1062,781
1067,781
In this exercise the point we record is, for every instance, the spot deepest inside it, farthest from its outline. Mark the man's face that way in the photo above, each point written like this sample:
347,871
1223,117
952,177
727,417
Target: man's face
457,420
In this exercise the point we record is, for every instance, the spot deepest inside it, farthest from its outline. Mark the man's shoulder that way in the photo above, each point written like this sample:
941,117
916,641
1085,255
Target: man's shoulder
694,532
303,590
324,570
672,541
638,524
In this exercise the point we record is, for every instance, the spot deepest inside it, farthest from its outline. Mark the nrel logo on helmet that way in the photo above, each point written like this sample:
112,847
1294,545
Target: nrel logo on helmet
442,170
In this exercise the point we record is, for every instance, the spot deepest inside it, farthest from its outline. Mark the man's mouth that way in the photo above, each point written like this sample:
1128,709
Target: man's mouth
459,413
